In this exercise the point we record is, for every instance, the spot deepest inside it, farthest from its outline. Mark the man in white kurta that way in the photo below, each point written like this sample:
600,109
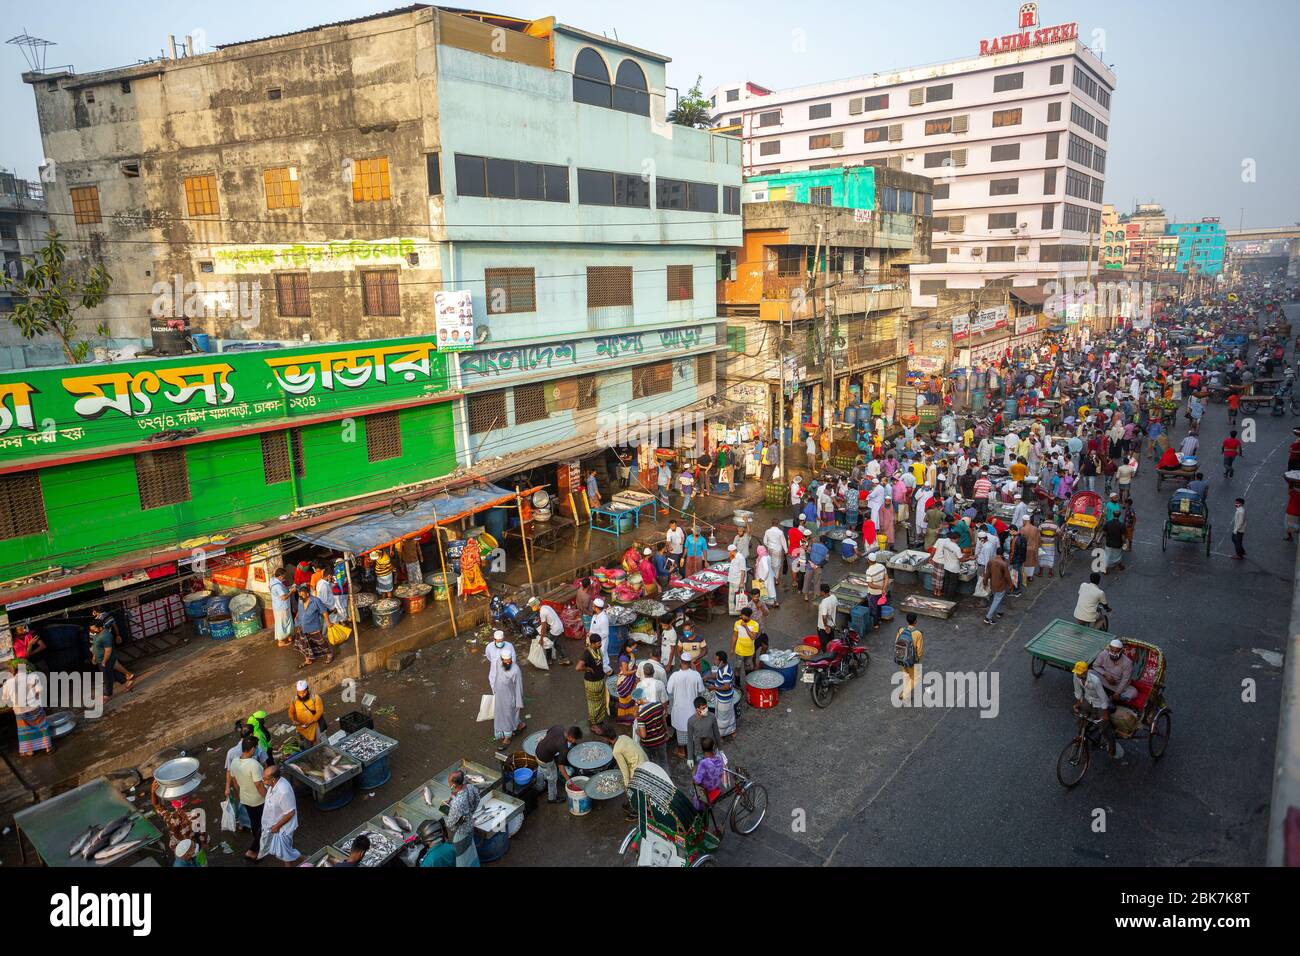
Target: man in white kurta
493,654
683,687
279,817
875,499
508,705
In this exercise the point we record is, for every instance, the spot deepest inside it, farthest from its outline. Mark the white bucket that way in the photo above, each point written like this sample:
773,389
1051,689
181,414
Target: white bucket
579,802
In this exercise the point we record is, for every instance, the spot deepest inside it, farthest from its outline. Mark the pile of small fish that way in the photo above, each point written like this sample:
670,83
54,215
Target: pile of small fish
679,594
105,842
781,658
398,825
608,784
382,846
365,745
328,768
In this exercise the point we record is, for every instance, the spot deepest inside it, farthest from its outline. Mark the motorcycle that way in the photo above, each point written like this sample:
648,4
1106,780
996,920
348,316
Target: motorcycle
509,616
841,661
1286,397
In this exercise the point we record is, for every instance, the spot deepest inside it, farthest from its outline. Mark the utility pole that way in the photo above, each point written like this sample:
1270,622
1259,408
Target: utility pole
828,373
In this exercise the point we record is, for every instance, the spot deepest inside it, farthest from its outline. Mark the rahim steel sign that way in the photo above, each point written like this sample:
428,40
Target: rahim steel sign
1029,34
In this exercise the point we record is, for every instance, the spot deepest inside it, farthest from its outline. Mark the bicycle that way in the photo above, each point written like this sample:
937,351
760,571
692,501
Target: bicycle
747,804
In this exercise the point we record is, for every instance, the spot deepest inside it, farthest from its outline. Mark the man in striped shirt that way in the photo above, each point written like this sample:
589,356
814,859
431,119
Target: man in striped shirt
983,489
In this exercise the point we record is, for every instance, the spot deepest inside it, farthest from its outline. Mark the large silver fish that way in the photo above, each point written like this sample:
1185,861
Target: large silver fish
428,796
80,842
100,839
392,824
121,833
113,852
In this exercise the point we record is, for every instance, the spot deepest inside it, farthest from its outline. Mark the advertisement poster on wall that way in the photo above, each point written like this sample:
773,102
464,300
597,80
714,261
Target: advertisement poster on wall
986,320
454,313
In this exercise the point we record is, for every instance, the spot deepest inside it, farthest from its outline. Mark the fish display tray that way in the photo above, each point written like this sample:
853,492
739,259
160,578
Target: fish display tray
496,811
929,606
367,745
485,778
683,594
365,599
325,857
414,802
764,679
605,785
648,608
908,560
590,755
384,845
377,822
621,616
317,758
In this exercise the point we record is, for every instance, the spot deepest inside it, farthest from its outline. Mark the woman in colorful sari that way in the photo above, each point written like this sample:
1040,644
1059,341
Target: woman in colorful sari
722,681
632,559
625,707
593,683
471,572
886,526
22,692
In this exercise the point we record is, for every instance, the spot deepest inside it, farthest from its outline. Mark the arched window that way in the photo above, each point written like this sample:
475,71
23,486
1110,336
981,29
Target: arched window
630,92
591,79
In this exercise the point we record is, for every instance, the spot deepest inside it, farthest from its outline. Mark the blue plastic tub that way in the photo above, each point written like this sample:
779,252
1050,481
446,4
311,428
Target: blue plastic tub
523,777
886,613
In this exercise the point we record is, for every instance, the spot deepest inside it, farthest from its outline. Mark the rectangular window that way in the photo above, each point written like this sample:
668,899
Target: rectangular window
875,134
1002,220
1053,148
826,141
1054,112
681,283
731,200
1075,218
293,294
22,506
941,190
769,147
736,338
276,452
510,290
934,94
511,179
1004,187
1049,183
1096,193
201,195
588,392
653,379
935,127
598,188
1049,216
820,196
486,412
530,403
1082,118
471,175
383,437
433,173
1057,76
819,111
933,286
162,478
1000,253
1003,152
733,95
878,102
370,180
85,205
1101,130
705,369
1008,81
938,254
281,184
1099,159
940,224
1007,117
937,159
380,292
956,223
770,118
687,196
609,286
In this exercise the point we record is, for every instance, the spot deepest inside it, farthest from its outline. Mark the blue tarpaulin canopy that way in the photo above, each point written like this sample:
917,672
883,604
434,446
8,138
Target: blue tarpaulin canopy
369,531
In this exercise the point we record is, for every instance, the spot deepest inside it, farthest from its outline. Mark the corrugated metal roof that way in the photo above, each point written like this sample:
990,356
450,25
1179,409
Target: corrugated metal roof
325,26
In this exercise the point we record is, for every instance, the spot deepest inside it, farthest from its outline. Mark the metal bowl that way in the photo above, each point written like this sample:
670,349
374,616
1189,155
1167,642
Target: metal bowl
176,772
178,790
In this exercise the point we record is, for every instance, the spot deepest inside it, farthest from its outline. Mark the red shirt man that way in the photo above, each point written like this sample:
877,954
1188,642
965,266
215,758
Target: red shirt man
794,537
1234,401
1231,446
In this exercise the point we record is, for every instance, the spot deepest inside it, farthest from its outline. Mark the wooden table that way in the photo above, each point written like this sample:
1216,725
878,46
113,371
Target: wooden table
543,534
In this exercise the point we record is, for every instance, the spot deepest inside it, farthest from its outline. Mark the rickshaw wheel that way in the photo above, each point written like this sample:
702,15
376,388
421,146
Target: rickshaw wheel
630,851
705,860
1164,537
1158,738
748,809
1072,764
1037,665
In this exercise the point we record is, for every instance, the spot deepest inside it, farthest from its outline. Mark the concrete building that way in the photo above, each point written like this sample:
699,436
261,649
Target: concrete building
1112,239
1015,137
23,229
477,233
817,300
1201,246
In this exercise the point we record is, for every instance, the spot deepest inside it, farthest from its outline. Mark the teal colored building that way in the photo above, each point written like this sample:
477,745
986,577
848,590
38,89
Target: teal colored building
1201,246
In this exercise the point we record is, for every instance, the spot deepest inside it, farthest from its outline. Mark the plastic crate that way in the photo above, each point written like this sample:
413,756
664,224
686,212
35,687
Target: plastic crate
351,722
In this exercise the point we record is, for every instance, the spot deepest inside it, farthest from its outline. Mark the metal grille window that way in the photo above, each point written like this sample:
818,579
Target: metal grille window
162,478
650,380
276,453
201,195
293,294
22,506
820,196
511,290
705,372
282,187
1057,75
826,141
383,437
769,147
85,205
937,159
370,181
771,118
819,111
530,403
941,190
1000,253
588,392
681,283
486,412
1004,187
380,292
609,286
1002,220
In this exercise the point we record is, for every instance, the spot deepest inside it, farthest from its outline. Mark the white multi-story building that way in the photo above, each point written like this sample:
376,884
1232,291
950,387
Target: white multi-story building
1015,138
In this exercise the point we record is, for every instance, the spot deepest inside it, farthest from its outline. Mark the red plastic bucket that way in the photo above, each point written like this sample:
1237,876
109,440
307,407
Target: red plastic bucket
763,689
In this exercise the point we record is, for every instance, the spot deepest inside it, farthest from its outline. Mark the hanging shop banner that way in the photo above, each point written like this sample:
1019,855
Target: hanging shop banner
139,577
986,320
81,407
1026,324
930,364
454,320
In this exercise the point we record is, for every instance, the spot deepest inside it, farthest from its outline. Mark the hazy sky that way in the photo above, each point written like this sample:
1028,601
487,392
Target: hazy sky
1203,86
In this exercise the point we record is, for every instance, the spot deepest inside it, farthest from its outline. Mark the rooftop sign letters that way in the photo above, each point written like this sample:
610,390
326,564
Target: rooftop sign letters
1029,34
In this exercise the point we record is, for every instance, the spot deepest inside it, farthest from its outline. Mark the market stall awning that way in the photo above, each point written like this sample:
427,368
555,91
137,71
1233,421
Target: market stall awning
1030,294
367,532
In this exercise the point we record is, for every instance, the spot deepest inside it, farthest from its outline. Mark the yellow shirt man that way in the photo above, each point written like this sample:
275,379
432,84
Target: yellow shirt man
745,631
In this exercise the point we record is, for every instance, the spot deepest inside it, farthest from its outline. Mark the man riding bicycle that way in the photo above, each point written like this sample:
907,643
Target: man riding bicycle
1092,701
